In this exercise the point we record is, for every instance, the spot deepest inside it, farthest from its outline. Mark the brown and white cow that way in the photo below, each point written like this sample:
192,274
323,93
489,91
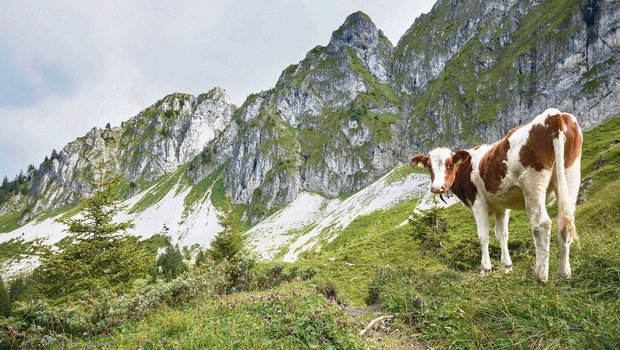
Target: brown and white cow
519,171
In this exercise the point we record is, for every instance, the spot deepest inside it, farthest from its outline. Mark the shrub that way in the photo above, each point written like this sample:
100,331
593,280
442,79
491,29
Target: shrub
329,289
231,275
170,263
429,227
37,323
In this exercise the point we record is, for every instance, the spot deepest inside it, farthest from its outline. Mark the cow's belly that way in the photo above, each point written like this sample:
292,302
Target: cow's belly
511,198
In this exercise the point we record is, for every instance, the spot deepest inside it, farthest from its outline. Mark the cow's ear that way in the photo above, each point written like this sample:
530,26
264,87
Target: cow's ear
460,157
420,160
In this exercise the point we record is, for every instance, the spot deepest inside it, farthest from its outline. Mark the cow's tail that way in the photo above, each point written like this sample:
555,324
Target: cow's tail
566,207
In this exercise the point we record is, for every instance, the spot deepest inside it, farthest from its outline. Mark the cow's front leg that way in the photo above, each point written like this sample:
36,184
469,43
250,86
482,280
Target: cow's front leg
501,233
481,214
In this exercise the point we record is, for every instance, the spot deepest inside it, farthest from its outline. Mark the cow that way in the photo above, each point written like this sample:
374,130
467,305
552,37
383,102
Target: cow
523,170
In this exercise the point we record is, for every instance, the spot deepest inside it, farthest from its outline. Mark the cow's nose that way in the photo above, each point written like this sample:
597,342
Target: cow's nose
437,189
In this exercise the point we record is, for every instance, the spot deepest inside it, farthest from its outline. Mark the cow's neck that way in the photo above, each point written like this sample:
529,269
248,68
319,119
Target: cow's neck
462,186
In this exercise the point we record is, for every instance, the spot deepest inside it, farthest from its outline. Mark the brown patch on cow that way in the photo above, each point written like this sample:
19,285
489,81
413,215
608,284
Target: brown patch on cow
424,159
538,151
572,147
462,186
493,166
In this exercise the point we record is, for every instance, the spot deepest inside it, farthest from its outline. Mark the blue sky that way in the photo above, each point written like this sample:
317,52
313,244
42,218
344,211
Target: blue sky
68,66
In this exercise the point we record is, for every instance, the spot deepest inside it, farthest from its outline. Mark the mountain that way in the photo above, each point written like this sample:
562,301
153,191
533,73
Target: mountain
337,122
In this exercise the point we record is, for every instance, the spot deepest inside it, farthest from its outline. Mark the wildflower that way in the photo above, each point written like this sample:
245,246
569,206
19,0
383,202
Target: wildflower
418,300
320,337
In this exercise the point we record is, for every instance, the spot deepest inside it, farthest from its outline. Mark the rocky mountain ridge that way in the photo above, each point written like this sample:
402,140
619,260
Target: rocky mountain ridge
352,110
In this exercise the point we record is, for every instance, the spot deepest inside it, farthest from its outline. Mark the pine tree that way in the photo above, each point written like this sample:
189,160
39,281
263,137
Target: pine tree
5,303
16,291
96,252
54,155
201,258
171,263
230,241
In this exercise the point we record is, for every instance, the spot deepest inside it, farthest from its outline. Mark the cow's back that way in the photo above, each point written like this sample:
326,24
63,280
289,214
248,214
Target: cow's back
526,150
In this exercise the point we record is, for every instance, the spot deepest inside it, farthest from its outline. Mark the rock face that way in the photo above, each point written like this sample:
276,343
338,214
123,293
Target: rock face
157,141
463,74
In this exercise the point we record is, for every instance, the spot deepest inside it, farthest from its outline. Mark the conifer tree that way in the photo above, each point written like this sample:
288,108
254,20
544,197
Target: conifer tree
201,257
16,291
171,263
96,252
5,303
230,241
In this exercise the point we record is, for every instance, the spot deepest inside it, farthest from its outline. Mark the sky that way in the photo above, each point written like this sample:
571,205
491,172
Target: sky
69,66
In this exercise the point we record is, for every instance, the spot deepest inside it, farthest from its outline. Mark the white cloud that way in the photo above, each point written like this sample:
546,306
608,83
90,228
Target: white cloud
118,57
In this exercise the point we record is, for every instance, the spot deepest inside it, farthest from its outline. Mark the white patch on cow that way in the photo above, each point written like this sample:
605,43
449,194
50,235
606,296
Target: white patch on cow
540,119
438,159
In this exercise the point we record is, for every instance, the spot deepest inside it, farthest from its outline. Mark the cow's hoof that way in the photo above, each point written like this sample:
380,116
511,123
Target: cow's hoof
564,273
507,268
485,272
542,278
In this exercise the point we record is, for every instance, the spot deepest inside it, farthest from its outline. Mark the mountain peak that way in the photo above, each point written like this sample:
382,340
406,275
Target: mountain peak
216,93
358,18
358,30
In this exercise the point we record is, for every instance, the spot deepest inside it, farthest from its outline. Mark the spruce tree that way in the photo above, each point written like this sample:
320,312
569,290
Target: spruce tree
230,241
5,303
96,253
201,258
171,263
16,291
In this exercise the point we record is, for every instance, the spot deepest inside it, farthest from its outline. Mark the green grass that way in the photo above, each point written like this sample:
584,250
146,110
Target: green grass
291,317
401,172
369,242
9,222
160,189
200,189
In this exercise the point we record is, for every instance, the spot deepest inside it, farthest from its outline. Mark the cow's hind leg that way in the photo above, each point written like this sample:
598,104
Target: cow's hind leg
535,198
573,181
481,215
501,233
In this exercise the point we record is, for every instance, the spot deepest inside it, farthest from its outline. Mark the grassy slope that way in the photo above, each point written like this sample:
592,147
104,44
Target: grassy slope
437,296
457,309
291,317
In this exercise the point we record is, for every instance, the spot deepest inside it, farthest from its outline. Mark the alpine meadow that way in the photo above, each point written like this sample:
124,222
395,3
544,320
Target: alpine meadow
297,219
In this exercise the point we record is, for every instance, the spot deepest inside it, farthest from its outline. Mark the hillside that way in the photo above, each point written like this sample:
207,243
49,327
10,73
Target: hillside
314,173
435,293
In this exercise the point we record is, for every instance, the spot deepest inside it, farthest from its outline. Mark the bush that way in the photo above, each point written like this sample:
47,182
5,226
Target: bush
429,227
329,289
231,275
170,263
41,324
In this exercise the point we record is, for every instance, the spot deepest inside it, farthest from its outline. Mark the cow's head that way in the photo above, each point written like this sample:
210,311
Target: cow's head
443,165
